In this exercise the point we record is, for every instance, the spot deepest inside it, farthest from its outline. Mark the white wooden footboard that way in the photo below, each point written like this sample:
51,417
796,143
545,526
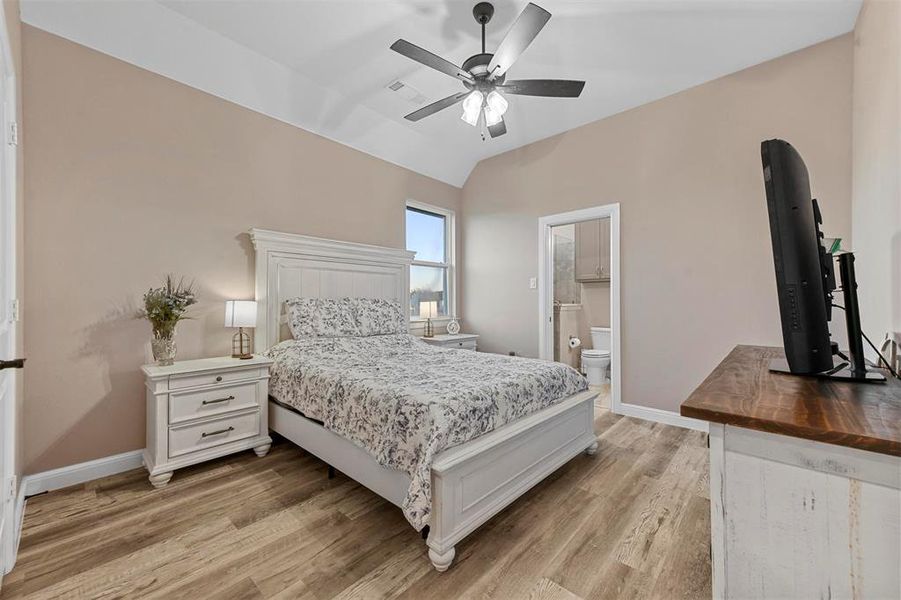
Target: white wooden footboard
476,480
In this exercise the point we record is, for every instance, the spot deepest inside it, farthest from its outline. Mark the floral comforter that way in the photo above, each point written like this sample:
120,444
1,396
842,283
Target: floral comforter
405,401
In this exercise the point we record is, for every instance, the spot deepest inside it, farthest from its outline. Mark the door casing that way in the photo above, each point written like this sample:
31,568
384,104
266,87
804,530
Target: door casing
546,288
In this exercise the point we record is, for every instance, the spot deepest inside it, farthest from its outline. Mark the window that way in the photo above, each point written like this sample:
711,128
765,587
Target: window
430,234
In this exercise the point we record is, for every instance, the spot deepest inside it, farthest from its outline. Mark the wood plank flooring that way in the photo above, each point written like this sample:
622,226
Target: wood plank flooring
629,522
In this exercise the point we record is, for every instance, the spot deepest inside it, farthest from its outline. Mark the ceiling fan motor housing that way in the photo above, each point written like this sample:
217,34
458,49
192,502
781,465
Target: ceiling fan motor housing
477,66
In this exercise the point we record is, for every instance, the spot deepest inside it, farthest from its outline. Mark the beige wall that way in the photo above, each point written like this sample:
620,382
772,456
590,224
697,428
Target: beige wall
697,272
130,176
876,166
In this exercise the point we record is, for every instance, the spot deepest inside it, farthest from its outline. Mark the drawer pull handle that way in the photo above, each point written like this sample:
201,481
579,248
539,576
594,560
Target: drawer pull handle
218,400
221,431
219,378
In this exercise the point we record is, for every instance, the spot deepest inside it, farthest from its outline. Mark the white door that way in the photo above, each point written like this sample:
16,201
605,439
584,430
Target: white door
8,309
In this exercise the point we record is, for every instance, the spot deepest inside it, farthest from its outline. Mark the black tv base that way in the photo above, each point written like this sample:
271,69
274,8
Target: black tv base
841,372
855,369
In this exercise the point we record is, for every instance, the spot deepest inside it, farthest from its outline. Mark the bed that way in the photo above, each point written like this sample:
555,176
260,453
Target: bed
449,436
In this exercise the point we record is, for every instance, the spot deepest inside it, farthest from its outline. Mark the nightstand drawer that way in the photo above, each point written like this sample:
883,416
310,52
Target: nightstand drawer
185,406
185,439
180,383
467,345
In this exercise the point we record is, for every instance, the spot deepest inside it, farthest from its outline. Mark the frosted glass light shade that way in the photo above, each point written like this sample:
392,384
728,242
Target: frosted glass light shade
428,310
472,106
497,103
240,313
491,116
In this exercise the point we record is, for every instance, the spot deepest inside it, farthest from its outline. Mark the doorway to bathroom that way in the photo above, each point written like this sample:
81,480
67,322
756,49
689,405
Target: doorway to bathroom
579,291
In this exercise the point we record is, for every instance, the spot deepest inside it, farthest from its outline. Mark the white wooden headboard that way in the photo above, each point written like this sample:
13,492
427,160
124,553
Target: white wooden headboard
290,265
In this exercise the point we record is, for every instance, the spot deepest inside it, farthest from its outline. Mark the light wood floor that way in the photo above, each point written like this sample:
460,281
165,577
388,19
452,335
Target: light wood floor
630,522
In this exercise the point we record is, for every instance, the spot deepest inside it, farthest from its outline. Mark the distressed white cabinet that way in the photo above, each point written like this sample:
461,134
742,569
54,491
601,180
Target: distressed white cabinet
202,409
805,481
796,518
593,250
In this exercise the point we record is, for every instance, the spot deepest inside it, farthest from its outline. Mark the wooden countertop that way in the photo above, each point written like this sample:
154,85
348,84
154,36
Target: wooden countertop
741,391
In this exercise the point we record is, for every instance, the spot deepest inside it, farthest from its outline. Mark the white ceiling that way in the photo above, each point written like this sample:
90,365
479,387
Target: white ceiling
325,65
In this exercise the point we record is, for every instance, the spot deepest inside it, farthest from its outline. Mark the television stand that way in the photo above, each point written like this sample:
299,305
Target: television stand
854,369
842,372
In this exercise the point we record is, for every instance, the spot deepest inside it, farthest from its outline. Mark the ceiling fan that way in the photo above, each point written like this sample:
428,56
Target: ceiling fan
483,75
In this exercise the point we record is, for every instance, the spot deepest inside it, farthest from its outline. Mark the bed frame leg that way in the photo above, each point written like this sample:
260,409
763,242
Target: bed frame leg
331,472
592,449
442,560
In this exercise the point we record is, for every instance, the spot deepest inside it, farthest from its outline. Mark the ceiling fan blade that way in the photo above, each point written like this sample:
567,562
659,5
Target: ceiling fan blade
434,107
422,56
527,25
553,88
498,129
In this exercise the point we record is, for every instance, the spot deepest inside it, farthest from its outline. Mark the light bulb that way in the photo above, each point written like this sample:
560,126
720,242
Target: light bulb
472,105
491,116
497,103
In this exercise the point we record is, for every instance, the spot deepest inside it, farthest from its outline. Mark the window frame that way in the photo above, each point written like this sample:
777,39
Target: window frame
450,256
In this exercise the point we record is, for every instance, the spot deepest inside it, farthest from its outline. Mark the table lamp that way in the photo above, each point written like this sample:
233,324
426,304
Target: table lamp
241,314
429,310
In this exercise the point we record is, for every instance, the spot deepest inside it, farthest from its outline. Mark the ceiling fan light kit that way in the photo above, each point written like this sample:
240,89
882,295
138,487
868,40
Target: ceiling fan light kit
484,75
472,107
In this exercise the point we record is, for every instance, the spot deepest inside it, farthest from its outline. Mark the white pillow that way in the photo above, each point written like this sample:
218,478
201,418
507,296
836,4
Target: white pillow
322,317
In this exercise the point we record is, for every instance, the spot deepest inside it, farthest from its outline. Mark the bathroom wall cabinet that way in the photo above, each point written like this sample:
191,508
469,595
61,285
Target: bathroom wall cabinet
593,250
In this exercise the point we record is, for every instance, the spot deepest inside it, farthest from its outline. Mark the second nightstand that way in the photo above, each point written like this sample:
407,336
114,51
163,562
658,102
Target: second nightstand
466,341
202,409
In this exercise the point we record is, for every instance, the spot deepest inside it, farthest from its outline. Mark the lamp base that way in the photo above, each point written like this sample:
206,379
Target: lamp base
428,331
241,345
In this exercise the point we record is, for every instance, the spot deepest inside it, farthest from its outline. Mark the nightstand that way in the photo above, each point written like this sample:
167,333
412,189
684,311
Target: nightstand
202,409
466,341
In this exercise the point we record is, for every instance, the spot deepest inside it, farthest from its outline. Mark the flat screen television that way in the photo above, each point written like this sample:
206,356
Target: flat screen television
805,274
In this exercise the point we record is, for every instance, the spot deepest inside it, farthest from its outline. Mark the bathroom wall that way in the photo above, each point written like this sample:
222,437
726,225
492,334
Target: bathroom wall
595,309
566,288
567,320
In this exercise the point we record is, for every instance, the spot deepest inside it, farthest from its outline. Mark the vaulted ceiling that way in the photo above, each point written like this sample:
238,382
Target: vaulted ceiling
325,65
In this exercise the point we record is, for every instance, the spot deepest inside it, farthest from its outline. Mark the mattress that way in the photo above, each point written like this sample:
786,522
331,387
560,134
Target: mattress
404,401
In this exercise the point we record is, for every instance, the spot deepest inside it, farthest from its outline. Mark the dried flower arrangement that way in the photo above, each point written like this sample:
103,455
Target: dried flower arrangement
164,307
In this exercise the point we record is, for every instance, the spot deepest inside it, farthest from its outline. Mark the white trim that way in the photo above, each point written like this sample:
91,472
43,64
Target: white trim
56,479
546,289
450,251
661,416
9,524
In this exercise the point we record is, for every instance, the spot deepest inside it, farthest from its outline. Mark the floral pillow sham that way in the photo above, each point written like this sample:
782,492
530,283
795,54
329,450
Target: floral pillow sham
322,317
344,317
377,316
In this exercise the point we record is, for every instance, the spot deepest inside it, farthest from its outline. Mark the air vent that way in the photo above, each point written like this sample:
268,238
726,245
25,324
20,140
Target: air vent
407,92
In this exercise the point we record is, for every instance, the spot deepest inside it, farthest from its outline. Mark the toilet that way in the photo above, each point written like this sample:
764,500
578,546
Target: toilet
596,359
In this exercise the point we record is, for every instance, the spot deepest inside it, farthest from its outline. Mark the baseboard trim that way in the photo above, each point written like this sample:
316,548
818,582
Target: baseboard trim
55,479
662,416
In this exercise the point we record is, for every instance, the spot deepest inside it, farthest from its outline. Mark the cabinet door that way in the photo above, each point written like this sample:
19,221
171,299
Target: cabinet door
588,244
604,250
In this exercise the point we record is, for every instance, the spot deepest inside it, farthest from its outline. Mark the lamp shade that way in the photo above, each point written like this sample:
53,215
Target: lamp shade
428,310
240,313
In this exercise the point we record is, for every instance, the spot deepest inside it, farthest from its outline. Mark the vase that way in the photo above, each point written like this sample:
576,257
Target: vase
164,349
